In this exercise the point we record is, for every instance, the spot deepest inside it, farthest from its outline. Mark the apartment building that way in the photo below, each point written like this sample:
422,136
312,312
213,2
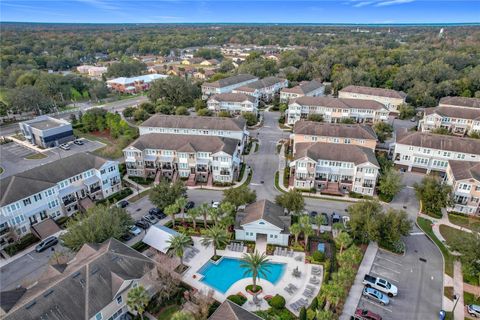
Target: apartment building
464,177
458,120
200,159
47,132
235,103
133,84
235,128
391,99
312,88
92,71
334,170
336,109
263,89
226,85
94,285
335,133
425,152
459,102
55,189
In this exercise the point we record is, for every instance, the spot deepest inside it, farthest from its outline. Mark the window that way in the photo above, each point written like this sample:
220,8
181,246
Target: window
98,316
26,202
119,299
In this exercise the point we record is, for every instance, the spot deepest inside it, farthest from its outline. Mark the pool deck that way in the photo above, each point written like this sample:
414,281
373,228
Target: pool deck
192,278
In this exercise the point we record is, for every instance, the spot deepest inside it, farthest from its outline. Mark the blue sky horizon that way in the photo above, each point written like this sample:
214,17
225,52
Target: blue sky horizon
236,11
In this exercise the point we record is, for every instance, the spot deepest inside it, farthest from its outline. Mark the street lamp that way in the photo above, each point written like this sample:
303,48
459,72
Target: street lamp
455,298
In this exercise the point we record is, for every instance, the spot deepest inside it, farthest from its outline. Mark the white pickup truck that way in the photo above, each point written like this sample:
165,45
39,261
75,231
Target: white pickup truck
381,285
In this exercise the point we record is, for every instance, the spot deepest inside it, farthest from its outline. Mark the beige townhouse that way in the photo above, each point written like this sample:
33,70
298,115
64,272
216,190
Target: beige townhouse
464,177
391,99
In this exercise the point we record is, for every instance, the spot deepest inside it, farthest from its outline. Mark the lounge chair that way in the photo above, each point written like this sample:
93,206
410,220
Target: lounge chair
307,294
298,258
314,281
295,306
311,287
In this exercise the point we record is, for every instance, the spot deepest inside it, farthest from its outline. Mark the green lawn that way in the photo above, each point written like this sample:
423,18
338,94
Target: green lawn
449,233
1,170
35,156
472,223
469,298
167,312
425,225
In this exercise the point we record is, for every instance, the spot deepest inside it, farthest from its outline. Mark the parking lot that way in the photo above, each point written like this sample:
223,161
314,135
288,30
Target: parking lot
416,274
13,156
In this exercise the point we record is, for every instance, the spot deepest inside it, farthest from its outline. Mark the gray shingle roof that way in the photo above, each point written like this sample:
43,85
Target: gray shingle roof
265,82
465,170
438,141
461,102
230,81
195,122
229,310
233,97
185,143
313,128
382,92
330,102
32,181
335,152
266,210
455,112
304,87
95,275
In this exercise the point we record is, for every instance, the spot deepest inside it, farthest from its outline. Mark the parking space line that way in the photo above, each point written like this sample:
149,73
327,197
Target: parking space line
387,268
385,276
376,304
397,263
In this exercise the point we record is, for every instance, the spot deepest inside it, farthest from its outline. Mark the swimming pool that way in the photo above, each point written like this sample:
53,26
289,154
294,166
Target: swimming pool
221,276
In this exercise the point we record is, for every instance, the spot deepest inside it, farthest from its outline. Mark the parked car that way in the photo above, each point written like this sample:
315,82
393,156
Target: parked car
215,204
46,243
155,212
313,214
190,205
127,236
134,230
64,146
78,142
325,219
380,284
142,224
335,218
473,310
150,218
375,295
364,314
122,204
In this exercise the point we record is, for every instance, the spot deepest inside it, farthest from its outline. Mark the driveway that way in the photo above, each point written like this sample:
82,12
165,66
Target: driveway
13,156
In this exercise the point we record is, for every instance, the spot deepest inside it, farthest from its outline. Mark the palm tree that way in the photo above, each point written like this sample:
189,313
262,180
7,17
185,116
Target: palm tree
319,220
204,209
307,232
343,240
193,214
181,203
178,244
137,299
226,222
227,208
214,214
304,220
172,210
215,236
332,292
256,264
295,229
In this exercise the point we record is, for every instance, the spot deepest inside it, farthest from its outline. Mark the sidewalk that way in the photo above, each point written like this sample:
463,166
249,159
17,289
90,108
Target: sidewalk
459,313
356,290
28,145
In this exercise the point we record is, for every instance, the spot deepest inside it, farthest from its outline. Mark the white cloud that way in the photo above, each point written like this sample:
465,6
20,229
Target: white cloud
362,4
99,4
392,2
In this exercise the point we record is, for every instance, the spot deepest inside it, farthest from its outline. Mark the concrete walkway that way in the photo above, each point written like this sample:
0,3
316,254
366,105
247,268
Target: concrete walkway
459,313
356,290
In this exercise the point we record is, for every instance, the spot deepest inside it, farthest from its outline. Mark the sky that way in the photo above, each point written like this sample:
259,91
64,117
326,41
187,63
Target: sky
263,11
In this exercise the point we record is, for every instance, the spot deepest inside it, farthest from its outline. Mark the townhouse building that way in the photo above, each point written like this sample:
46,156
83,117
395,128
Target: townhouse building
94,285
226,85
464,177
46,132
459,102
426,152
263,89
312,88
200,159
92,71
235,128
334,170
391,99
133,84
54,189
335,133
458,120
235,103
336,109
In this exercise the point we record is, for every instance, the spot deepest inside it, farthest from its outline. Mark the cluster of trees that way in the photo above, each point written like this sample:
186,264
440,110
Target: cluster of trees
390,181
468,245
174,91
434,195
140,113
126,69
208,53
100,120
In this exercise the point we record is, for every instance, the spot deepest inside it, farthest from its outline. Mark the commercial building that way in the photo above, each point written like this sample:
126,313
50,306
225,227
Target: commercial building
54,190
47,132
134,84
226,85
334,170
235,103
200,159
425,152
312,88
464,177
94,285
336,109
391,99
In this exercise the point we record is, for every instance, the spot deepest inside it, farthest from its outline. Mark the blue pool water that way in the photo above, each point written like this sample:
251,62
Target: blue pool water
221,276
